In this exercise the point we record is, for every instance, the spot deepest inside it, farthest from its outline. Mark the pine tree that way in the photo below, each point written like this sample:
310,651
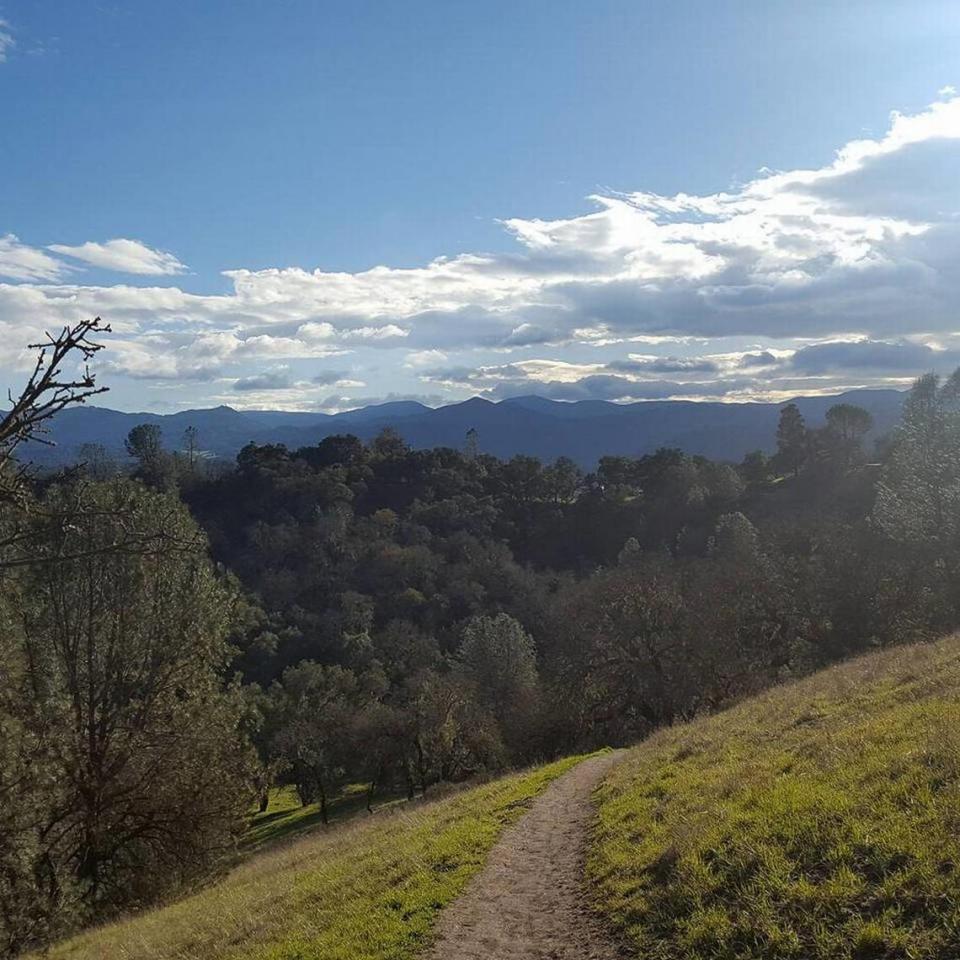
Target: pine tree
791,439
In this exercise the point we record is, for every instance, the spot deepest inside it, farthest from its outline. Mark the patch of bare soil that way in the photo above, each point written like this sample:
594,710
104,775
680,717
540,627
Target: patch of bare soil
529,902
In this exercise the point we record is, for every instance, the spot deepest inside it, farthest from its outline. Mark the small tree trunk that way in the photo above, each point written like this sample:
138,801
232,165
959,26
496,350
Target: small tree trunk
323,805
421,767
264,801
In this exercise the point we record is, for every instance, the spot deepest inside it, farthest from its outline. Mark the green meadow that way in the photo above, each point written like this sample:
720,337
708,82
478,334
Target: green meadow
821,820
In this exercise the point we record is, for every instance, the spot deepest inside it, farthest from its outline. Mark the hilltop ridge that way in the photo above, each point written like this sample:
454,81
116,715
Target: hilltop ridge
583,431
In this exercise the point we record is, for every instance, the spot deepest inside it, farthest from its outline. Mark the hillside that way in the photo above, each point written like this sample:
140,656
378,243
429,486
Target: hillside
817,821
583,431
367,891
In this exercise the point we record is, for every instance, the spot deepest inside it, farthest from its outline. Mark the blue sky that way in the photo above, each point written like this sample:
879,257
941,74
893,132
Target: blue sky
258,196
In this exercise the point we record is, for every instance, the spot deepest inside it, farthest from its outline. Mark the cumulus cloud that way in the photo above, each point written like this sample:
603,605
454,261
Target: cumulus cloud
281,379
123,256
898,356
654,364
618,388
762,358
270,380
637,378
815,368
784,277
328,378
21,262
424,358
621,389
183,355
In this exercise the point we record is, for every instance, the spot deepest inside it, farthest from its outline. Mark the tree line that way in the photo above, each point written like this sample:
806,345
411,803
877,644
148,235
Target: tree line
182,635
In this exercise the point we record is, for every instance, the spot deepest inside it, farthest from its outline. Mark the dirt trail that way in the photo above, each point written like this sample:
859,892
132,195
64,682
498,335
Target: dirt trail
528,901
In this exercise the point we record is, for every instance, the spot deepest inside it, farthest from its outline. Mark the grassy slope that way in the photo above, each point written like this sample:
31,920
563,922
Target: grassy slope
369,890
285,817
820,820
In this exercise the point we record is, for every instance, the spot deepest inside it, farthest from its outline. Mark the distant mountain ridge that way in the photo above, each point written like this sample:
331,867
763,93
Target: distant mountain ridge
584,431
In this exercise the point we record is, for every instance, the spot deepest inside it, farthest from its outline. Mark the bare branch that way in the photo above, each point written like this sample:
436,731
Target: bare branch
46,393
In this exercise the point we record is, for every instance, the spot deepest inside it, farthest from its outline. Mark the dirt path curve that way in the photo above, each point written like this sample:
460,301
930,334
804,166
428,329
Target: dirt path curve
528,901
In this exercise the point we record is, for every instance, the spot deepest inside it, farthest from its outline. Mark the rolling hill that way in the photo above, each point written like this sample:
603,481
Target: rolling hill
583,431
816,821
367,891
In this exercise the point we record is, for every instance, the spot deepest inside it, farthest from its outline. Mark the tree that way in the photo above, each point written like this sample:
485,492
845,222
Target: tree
471,444
337,449
918,496
632,553
37,896
379,736
562,480
144,444
191,447
309,719
618,477
46,393
451,736
849,422
499,661
791,439
842,437
755,467
388,444
97,463
736,538
724,483
121,646
737,621
154,467
620,655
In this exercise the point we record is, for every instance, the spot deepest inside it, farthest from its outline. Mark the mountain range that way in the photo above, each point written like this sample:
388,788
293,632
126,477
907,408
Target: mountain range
583,431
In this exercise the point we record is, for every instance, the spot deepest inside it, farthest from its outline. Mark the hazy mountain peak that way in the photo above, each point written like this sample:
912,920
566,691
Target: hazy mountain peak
584,430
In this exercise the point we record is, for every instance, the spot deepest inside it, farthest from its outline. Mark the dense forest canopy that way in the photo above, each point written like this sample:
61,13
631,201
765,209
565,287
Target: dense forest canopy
180,635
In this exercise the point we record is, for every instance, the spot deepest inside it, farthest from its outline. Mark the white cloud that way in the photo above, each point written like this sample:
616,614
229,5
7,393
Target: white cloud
20,262
558,380
123,256
6,39
281,377
278,379
865,246
424,358
768,374
386,332
203,356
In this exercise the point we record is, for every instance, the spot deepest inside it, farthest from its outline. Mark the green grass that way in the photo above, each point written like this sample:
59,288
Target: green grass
821,820
285,817
367,890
